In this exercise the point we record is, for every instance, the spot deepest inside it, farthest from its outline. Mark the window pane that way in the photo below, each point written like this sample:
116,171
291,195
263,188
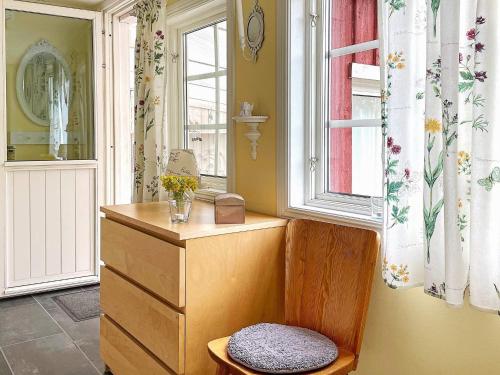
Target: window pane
203,144
351,74
356,161
206,144
223,100
201,102
200,51
52,118
352,22
222,151
366,107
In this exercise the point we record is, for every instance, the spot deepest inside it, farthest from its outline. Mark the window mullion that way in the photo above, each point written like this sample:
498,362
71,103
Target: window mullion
310,110
365,123
217,102
354,48
322,95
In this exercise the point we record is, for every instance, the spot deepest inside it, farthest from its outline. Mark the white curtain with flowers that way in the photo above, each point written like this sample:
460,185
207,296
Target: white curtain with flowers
441,117
150,96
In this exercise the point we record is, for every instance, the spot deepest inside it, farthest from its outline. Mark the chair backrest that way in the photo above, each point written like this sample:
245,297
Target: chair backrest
329,274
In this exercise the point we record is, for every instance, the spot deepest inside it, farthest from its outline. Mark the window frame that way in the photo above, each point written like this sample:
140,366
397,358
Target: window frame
310,57
199,17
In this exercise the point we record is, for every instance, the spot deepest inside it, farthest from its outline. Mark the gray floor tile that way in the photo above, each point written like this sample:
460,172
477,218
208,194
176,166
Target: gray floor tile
85,334
4,368
6,303
25,322
54,355
91,350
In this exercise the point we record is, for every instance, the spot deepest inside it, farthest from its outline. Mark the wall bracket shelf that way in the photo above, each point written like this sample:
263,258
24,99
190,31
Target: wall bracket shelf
253,133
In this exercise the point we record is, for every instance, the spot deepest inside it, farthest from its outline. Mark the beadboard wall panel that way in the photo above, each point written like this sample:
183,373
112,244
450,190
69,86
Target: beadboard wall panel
51,224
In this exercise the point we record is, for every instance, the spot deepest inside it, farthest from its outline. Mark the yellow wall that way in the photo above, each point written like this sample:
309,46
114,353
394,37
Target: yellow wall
407,333
69,36
256,83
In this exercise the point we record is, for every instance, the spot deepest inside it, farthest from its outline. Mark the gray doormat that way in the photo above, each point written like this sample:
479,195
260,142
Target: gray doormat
80,305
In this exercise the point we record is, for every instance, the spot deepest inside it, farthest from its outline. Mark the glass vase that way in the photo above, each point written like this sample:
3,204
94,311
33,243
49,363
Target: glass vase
180,209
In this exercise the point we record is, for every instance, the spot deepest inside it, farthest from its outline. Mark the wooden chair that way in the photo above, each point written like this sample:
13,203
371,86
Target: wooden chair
329,274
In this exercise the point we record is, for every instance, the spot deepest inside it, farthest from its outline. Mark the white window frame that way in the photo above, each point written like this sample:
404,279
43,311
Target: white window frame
195,14
303,73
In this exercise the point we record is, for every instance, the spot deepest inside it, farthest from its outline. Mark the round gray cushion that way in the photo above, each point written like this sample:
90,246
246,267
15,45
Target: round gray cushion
281,349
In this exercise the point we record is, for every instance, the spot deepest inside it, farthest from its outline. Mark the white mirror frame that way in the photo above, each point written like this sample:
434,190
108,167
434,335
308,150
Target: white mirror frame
256,15
42,46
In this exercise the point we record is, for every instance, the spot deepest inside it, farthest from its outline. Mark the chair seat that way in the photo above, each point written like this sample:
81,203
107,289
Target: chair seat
218,351
281,349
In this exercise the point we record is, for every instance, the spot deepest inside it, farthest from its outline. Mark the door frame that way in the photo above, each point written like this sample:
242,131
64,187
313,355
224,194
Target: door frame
112,88
98,163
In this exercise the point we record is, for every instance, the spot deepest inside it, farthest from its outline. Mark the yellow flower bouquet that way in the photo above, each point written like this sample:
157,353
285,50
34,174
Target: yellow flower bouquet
179,188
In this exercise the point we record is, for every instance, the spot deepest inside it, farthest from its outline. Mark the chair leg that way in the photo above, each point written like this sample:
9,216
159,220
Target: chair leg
222,370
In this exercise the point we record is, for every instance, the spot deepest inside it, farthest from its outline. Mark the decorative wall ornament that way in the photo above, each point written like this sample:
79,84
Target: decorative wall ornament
254,29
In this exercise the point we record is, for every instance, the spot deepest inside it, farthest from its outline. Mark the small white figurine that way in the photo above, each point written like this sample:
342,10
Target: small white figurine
246,109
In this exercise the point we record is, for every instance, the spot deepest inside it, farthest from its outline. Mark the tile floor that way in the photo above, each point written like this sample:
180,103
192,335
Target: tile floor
38,337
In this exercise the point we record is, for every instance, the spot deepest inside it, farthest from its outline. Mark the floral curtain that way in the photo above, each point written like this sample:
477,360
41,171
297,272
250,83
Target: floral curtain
150,91
442,158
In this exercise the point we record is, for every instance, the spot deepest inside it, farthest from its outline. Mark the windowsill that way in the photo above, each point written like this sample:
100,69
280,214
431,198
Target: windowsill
334,216
208,194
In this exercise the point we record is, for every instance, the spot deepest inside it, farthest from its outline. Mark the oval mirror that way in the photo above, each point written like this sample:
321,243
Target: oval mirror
43,84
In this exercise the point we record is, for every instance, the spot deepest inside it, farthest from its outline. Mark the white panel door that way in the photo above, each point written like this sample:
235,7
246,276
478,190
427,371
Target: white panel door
51,224
68,221
37,223
21,261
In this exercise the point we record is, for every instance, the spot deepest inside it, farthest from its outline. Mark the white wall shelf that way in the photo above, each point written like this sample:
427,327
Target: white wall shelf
253,133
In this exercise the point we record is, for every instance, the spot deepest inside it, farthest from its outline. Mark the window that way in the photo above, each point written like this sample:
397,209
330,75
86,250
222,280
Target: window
333,83
204,82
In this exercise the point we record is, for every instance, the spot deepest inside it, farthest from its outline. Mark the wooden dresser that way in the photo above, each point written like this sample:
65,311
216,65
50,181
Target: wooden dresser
167,290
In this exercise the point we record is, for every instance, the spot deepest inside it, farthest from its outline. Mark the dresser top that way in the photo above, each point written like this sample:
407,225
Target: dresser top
155,218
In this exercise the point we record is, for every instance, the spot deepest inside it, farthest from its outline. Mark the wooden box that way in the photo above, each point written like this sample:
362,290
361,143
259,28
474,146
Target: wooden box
229,209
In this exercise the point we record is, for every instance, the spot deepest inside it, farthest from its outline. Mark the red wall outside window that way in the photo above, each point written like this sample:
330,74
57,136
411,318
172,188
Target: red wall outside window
353,21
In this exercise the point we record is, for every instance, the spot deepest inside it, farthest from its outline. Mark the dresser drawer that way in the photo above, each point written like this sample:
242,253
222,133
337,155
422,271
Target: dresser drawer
155,325
124,355
157,265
